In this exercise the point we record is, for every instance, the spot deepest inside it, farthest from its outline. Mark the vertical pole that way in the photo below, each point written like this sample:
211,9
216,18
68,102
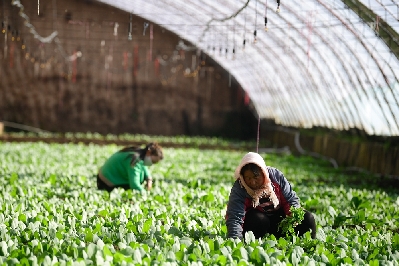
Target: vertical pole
257,137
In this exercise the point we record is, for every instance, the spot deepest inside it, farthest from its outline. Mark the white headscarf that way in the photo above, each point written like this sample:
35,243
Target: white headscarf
266,190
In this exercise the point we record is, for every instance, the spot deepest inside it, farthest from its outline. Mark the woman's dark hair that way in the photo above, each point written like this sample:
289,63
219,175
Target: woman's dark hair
254,168
137,153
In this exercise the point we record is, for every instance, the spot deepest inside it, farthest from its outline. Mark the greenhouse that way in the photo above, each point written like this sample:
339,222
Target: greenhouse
212,132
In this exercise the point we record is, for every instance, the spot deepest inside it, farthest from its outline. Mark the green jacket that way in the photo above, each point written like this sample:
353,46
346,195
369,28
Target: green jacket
118,171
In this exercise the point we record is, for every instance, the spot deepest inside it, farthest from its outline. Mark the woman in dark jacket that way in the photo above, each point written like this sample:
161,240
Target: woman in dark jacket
260,198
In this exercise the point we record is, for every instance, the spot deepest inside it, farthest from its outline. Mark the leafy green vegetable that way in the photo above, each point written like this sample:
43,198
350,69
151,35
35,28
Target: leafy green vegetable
51,212
287,225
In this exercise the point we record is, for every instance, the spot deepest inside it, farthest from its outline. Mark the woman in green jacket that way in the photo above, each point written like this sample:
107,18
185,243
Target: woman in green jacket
128,168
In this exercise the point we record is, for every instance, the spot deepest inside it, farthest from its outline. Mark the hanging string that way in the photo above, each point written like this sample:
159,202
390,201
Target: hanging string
129,37
227,39
214,42
151,39
309,25
245,29
38,7
278,6
256,19
266,16
220,45
234,40
257,137
146,24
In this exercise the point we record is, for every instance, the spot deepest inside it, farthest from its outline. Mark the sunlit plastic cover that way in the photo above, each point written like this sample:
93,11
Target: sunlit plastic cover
314,63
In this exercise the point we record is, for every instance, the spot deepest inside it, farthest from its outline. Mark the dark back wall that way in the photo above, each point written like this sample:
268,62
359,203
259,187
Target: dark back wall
88,75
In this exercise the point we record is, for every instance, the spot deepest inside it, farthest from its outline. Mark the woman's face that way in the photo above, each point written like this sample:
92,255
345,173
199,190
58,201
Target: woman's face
254,182
154,158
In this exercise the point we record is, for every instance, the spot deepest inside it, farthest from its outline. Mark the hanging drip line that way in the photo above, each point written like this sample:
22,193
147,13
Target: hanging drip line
266,29
145,26
220,43
257,136
278,6
214,41
38,7
234,40
129,36
245,29
227,39
256,19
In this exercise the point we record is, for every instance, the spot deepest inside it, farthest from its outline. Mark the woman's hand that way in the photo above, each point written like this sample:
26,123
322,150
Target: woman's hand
149,184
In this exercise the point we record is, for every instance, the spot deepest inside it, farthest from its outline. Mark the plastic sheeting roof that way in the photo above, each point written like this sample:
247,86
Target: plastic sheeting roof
318,63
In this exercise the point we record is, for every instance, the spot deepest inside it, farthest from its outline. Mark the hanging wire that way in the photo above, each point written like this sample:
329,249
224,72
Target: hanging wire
266,29
256,19
129,37
227,39
234,40
245,29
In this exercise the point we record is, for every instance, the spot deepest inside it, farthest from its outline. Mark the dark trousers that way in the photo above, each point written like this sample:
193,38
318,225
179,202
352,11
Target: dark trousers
102,186
261,223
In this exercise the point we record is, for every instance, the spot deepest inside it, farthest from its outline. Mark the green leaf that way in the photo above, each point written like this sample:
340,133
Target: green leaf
24,262
208,198
91,250
149,242
107,251
22,217
103,213
170,256
255,256
211,244
360,216
119,258
221,260
332,211
186,241
52,179
192,257
395,241
59,234
374,263
13,178
356,201
174,231
179,255
89,236
340,219
147,225
137,256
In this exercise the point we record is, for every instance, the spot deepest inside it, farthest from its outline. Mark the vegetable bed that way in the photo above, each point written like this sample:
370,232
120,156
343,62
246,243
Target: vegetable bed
52,214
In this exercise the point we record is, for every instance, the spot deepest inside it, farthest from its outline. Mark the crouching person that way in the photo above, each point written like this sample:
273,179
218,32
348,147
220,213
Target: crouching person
260,198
